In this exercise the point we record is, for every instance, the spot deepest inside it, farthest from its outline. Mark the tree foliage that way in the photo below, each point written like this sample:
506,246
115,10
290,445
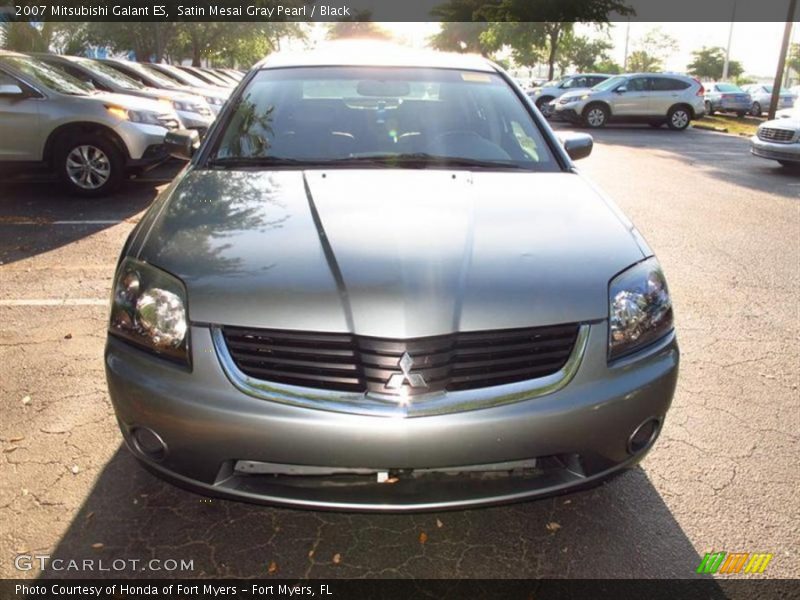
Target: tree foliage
651,50
708,63
583,53
793,59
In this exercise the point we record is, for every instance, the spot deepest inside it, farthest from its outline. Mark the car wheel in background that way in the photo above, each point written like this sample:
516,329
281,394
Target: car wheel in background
90,165
755,110
678,118
709,108
595,116
543,104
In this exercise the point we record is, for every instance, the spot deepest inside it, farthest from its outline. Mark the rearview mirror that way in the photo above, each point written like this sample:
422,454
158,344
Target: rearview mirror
389,89
182,143
577,145
11,90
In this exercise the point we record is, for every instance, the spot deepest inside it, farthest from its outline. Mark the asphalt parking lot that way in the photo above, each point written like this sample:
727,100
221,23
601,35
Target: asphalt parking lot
723,476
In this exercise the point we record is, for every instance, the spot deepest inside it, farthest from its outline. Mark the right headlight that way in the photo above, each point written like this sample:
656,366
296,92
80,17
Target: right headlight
149,310
640,309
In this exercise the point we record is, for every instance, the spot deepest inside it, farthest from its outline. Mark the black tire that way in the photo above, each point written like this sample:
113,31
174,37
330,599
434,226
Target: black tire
595,116
543,105
106,164
755,110
679,117
709,109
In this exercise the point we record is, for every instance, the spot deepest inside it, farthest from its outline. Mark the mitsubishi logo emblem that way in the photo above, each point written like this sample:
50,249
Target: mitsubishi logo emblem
415,380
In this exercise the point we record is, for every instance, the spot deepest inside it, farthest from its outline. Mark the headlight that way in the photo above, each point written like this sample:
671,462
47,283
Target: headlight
191,107
149,310
640,309
135,116
585,97
214,101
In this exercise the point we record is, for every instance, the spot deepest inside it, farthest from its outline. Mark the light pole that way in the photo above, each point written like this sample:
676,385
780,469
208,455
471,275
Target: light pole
728,47
627,38
787,35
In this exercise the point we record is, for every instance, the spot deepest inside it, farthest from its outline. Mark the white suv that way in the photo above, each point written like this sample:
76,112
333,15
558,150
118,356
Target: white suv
653,98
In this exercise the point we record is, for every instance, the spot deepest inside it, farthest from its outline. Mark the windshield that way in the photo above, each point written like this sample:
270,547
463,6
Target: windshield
160,80
610,84
111,73
728,87
180,76
769,88
401,117
47,76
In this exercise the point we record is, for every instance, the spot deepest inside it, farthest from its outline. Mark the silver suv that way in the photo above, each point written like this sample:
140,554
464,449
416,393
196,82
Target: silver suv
653,98
90,139
552,90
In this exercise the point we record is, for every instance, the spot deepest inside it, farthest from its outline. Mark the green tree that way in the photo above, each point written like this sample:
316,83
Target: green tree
608,66
793,59
651,50
461,27
584,53
26,37
708,63
358,26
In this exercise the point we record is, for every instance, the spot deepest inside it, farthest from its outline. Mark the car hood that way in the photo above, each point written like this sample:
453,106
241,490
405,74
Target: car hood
173,95
389,253
577,93
131,102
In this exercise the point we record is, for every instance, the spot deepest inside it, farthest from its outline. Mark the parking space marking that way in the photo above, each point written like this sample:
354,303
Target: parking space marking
56,302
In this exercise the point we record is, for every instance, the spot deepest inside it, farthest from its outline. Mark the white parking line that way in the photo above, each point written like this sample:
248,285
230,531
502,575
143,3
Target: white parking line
56,302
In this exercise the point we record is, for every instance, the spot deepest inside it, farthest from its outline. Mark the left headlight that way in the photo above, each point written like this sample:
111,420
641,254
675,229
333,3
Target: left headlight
640,309
148,309
136,116
214,101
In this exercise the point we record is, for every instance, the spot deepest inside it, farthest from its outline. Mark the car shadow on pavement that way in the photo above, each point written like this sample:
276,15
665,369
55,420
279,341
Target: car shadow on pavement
723,156
620,530
37,215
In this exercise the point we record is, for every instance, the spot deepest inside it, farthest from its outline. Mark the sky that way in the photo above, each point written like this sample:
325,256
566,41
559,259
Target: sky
755,45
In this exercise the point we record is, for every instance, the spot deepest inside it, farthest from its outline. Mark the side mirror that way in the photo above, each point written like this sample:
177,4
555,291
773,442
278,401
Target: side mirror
621,89
182,143
577,145
11,90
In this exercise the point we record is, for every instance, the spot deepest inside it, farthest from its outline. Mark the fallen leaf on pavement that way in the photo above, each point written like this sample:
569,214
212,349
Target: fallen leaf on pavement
98,545
26,400
553,526
439,524
423,537
273,567
337,558
68,336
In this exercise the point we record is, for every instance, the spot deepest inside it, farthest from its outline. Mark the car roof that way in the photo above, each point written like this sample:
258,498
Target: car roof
362,53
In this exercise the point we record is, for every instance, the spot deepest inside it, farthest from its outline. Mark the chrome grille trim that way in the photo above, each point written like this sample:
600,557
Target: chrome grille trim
775,134
386,405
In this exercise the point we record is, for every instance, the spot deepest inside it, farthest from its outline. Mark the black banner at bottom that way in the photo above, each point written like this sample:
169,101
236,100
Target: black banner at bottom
390,589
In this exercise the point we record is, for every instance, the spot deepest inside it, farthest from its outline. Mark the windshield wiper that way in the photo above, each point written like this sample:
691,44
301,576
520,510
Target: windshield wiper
423,159
232,162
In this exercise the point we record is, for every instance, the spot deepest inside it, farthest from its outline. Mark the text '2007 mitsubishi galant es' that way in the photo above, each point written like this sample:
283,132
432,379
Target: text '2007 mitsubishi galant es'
381,284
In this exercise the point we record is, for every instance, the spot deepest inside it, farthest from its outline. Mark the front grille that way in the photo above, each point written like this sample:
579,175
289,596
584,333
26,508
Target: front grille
773,134
345,362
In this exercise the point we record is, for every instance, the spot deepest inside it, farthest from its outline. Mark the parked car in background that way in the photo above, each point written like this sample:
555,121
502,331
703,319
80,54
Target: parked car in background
193,111
185,78
543,95
153,78
654,98
210,76
233,73
726,97
296,345
761,96
779,140
90,139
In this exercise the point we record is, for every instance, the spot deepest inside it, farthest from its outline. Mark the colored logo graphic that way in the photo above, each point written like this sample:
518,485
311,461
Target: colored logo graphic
726,563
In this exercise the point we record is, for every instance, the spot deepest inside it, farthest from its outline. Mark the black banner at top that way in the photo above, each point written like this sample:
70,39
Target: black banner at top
397,10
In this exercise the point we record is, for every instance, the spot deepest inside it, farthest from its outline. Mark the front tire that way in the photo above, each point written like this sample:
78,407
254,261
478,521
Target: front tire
90,165
755,110
709,109
595,116
543,104
678,118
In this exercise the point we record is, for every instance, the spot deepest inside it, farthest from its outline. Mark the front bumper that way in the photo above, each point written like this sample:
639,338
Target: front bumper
193,120
775,151
578,435
139,139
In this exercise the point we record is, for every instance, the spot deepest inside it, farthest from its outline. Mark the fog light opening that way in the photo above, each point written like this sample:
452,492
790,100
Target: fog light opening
148,443
644,436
